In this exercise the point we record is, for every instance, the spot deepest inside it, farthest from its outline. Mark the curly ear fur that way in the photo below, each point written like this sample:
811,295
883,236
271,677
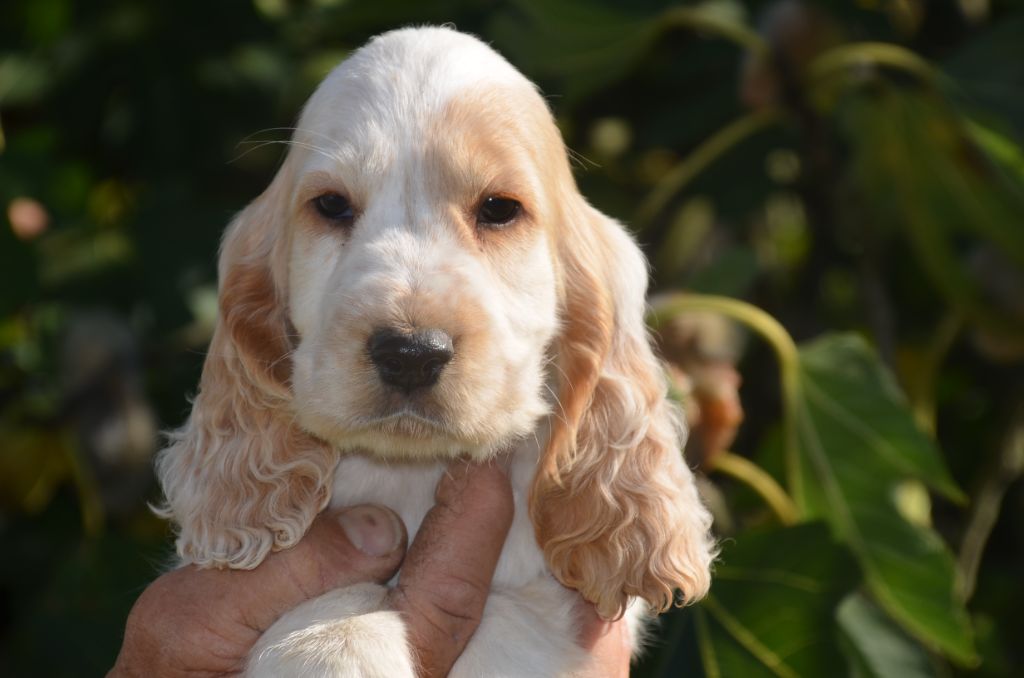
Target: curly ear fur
239,478
614,507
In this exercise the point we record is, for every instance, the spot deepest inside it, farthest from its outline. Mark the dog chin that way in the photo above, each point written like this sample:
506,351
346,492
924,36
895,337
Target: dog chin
400,446
408,437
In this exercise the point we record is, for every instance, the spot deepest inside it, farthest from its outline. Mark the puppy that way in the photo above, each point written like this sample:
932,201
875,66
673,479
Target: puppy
422,280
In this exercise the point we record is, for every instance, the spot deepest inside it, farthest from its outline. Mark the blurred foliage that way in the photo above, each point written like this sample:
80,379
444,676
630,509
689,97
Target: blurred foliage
853,171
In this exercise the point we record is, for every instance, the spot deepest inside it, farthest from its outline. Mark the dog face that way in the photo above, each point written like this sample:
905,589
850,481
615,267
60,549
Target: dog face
421,274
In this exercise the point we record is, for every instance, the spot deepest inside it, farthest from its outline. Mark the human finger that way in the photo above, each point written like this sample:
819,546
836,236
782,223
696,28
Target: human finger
446,578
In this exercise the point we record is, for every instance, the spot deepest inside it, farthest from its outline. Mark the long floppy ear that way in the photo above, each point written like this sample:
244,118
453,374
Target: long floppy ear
239,478
614,507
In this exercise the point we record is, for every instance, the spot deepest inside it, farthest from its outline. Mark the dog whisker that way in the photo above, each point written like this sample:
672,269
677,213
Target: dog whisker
256,144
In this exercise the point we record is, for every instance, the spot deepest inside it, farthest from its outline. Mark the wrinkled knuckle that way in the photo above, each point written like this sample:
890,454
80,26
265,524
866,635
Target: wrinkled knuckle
452,606
460,598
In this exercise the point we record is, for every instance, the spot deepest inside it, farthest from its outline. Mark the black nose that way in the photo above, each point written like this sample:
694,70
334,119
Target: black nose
410,360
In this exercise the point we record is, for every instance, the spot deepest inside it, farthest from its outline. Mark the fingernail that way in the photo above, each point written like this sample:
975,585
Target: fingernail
373,530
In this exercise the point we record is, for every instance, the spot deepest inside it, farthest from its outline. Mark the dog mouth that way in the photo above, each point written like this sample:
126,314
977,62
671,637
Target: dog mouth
407,422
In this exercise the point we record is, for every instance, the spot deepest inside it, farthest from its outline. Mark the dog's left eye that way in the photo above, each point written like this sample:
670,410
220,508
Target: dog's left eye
496,211
334,206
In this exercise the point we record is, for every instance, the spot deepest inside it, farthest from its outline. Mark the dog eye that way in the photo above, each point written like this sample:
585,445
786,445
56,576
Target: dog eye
497,211
333,206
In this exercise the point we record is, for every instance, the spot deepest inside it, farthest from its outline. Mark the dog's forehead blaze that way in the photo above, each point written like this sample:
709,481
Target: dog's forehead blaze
499,138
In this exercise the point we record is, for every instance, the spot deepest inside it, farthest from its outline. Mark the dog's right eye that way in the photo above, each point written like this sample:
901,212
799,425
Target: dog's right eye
497,211
334,206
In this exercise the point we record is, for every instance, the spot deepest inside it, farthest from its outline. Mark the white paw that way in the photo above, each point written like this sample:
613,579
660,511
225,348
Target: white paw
347,633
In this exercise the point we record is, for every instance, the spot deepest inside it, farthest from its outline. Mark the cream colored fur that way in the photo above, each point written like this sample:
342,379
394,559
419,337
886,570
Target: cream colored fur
553,369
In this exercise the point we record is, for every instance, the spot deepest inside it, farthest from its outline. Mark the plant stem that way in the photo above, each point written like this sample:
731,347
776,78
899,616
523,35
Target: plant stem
700,20
923,392
708,656
985,511
757,479
841,59
701,157
747,639
665,308
89,498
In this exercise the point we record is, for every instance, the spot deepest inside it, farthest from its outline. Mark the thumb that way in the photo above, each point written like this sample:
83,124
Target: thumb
230,609
352,545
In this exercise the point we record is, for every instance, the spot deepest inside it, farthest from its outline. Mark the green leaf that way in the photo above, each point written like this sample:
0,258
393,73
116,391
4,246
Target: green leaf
855,398
876,646
944,183
591,45
772,606
988,70
1000,148
588,45
858,441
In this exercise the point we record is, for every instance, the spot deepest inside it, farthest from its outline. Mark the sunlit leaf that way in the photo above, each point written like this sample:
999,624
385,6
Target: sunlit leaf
1000,148
854,399
858,442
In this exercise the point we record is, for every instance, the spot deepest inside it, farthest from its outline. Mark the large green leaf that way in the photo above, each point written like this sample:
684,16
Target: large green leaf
932,176
854,398
858,441
590,45
772,606
876,646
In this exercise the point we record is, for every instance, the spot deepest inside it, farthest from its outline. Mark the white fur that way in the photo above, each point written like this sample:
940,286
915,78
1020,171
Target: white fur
347,632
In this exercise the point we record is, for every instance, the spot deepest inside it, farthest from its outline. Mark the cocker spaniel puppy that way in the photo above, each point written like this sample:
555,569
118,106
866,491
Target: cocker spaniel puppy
422,280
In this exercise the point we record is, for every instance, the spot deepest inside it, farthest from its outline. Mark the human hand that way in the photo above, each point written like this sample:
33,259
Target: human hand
205,622
442,587
606,641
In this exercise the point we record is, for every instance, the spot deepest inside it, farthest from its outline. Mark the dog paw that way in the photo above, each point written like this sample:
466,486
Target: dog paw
345,633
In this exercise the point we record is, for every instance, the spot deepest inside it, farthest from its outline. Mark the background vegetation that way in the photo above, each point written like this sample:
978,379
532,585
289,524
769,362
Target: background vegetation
843,180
